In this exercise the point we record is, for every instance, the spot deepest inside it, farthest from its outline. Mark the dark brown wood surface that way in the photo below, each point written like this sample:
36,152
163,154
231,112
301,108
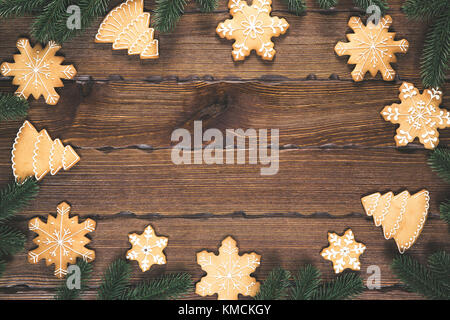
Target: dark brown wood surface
120,112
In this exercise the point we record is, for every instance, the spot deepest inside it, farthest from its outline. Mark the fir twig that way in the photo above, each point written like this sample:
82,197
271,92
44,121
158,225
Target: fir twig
306,283
47,23
275,286
207,5
12,107
327,4
2,267
16,196
296,7
344,286
439,161
418,278
439,263
420,9
171,286
11,240
436,52
64,293
115,281
364,4
444,208
9,8
167,14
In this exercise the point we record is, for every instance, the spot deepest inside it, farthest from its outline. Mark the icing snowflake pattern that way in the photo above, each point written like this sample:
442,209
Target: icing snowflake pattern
252,27
147,248
38,71
228,274
419,116
372,48
343,251
61,240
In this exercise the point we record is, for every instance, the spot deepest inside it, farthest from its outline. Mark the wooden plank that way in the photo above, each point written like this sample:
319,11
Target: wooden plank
195,49
287,242
307,113
308,181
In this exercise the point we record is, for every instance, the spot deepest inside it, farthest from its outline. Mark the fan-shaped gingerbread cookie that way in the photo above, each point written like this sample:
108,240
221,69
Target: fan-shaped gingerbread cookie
127,27
36,154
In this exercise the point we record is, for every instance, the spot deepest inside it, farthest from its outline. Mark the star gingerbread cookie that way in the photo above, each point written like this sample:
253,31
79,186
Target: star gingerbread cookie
38,71
252,28
371,48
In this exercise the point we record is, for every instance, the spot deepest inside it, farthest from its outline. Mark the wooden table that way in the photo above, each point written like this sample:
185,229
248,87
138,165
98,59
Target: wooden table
120,112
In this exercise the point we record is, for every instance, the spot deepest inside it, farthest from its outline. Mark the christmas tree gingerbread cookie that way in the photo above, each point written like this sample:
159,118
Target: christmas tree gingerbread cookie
372,48
418,115
147,248
343,251
127,27
228,274
252,28
402,216
61,240
36,154
38,71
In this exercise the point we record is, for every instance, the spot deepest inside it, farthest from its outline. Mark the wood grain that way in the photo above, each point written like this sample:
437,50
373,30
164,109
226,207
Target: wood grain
289,242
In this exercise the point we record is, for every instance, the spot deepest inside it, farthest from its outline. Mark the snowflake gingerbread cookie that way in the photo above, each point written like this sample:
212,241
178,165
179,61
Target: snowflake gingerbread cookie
228,274
252,28
343,251
36,154
61,240
372,48
38,71
402,216
147,248
127,27
418,115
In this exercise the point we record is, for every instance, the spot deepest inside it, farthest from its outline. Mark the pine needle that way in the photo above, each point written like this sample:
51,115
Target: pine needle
171,286
167,14
439,161
207,5
296,7
12,107
275,286
344,286
2,267
45,27
420,9
418,278
439,263
306,283
16,196
115,281
11,240
10,8
327,4
64,293
444,208
436,52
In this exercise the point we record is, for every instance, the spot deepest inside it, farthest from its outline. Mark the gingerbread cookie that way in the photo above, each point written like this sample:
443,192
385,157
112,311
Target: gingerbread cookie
228,274
418,115
147,248
403,216
127,27
252,27
343,251
61,240
38,71
36,154
372,48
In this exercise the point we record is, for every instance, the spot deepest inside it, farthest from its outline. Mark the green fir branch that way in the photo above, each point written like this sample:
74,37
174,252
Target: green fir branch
207,5
11,240
327,4
345,286
444,208
439,264
2,267
171,286
275,286
439,161
418,278
46,25
296,7
12,107
15,197
424,9
64,293
306,283
167,14
115,281
11,8
436,52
